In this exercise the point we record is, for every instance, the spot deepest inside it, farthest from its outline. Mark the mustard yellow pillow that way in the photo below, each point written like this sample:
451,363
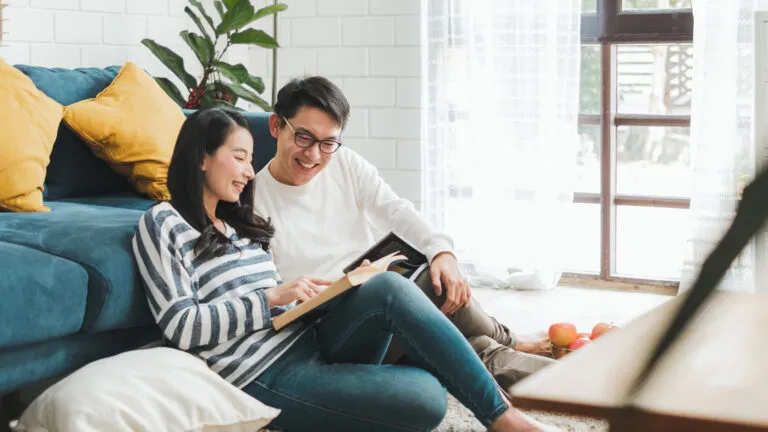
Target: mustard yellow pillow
29,121
132,125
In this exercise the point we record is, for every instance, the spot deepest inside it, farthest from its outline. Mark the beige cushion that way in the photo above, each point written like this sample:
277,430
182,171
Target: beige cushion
156,389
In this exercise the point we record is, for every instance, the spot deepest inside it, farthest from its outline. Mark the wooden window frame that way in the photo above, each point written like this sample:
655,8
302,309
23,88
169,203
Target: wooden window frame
609,28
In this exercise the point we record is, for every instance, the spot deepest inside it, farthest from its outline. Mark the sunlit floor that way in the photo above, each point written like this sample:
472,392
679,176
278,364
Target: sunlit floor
529,312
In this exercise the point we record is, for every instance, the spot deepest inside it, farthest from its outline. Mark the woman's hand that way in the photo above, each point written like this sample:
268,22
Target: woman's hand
301,289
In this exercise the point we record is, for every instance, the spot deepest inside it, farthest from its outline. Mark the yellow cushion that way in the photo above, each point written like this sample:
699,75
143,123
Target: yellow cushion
132,125
29,121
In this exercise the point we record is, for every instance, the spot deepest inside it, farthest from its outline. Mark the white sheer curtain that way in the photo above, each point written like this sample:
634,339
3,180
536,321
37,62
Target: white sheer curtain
722,123
501,132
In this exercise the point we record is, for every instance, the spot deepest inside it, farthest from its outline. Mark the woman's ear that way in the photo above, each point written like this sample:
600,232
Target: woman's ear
204,165
274,125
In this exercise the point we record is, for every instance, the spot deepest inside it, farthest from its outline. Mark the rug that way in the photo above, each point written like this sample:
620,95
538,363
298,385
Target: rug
460,419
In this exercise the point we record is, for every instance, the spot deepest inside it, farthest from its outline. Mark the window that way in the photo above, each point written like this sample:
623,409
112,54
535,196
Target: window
2,6
634,163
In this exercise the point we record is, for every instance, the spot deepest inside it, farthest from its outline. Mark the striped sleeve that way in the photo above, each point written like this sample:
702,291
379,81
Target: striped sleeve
185,320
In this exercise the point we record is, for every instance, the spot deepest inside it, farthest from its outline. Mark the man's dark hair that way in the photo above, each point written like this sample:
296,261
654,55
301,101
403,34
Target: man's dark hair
317,92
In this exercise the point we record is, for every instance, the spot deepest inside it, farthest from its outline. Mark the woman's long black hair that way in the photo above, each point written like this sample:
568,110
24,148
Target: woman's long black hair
203,133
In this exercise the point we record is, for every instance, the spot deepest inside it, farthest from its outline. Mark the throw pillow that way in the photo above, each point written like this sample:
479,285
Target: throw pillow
155,389
132,125
28,124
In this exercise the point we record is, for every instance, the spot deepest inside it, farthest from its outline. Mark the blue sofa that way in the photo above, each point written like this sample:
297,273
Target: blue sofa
70,288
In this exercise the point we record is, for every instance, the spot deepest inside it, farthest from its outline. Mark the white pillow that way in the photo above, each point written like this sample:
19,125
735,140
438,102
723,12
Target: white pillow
157,389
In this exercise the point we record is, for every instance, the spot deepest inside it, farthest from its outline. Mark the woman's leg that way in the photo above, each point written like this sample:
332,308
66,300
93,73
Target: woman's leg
315,395
389,304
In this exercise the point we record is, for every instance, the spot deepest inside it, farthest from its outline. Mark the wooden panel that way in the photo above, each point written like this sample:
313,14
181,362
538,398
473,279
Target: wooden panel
642,201
620,283
651,120
716,371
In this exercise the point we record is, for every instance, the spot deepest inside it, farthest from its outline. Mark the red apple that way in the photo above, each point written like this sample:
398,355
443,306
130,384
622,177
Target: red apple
601,328
562,334
585,335
578,343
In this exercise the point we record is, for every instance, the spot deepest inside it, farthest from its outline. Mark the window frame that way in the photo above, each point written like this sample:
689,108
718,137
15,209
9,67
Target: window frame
2,32
608,28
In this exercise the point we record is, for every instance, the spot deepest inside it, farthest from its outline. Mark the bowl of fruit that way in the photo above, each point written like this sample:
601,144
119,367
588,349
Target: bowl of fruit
566,338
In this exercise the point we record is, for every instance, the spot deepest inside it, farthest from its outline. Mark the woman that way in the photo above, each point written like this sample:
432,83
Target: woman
212,287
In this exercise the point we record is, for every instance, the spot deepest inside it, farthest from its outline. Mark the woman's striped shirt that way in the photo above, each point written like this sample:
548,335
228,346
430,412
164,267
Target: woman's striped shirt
214,308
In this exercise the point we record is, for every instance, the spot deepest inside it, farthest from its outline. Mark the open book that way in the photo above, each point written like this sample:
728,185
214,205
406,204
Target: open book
390,253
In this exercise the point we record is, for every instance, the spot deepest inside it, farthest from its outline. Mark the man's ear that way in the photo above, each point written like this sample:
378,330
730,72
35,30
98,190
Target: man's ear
274,125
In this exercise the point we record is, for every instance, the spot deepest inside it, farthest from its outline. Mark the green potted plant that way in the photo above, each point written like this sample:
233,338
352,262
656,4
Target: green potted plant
221,83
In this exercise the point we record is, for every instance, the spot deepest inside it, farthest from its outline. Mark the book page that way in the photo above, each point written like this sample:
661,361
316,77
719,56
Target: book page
384,262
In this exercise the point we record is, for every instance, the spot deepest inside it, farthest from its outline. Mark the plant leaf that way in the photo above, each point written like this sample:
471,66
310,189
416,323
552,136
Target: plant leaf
255,16
248,95
240,15
256,83
171,89
219,8
269,10
205,15
171,60
239,75
198,22
206,101
201,46
230,3
254,37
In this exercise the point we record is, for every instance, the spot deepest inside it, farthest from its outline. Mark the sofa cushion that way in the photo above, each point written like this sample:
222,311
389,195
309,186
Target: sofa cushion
28,121
43,296
133,125
264,144
52,358
74,170
127,201
158,389
99,239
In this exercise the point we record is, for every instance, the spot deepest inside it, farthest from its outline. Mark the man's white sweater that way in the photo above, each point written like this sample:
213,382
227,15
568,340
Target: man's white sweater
322,226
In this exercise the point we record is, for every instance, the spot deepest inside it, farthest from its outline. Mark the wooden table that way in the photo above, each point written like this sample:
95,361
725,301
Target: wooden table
715,377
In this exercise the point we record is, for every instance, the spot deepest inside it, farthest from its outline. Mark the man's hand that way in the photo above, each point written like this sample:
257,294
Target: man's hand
539,345
444,270
301,289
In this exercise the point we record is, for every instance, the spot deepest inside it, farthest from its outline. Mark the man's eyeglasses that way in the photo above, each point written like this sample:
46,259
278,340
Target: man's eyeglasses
307,140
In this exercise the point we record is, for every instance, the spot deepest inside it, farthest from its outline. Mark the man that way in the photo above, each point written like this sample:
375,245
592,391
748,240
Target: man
329,205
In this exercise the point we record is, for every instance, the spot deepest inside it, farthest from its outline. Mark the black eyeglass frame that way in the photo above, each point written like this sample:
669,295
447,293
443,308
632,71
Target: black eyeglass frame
313,139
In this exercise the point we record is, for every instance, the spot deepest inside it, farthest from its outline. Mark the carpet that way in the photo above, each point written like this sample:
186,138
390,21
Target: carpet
460,419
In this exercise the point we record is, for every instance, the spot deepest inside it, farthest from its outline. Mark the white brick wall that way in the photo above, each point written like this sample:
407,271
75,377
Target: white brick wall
370,48
97,33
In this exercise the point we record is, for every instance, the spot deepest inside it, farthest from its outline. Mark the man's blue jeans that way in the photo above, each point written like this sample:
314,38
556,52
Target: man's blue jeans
332,379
